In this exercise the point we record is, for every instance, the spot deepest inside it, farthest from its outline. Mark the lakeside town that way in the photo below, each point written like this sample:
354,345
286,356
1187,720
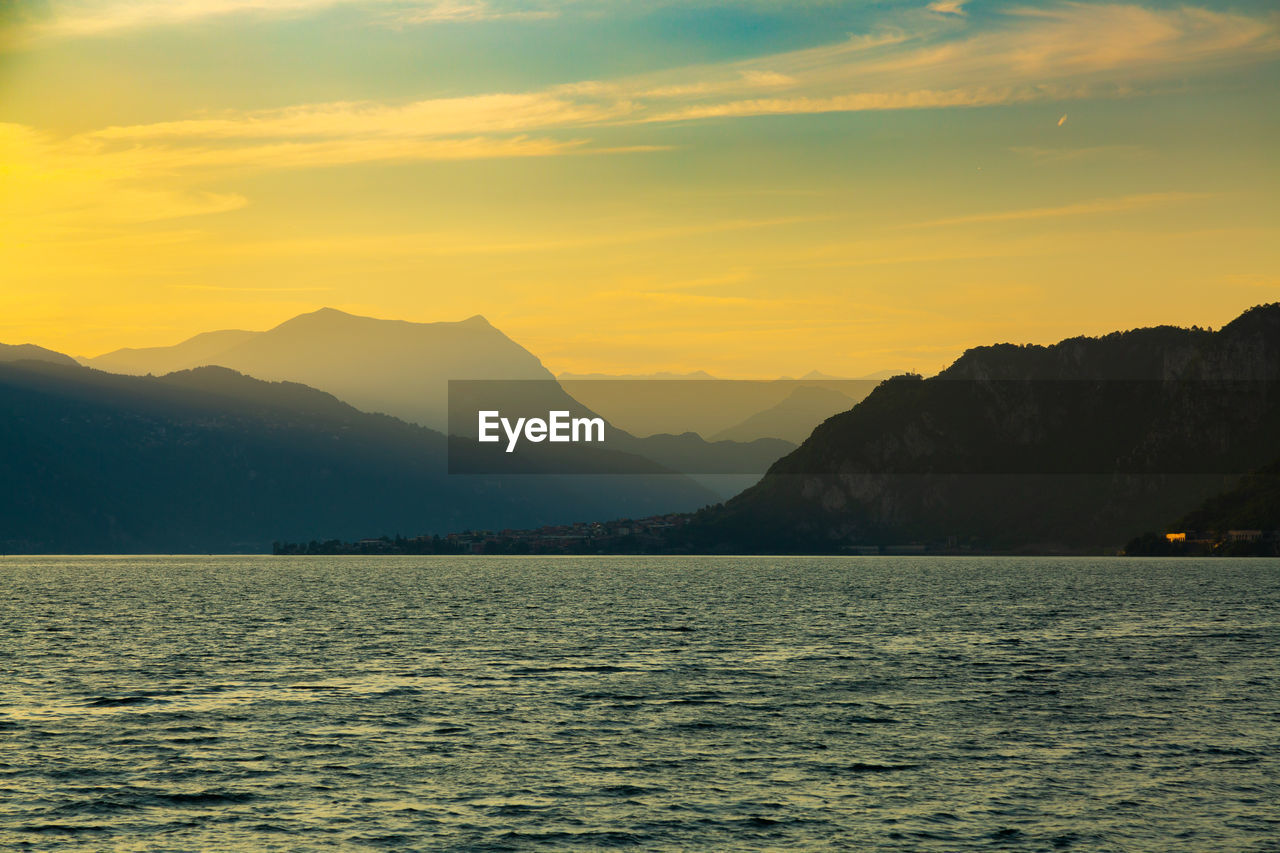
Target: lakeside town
622,536
653,535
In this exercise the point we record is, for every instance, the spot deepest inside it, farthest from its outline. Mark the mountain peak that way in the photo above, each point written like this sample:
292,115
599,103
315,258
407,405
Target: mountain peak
325,313
20,352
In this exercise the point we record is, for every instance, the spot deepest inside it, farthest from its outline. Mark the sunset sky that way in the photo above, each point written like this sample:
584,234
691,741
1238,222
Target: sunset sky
753,188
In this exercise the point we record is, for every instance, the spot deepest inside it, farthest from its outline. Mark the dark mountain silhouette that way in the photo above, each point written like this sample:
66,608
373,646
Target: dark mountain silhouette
31,352
211,460
1070,447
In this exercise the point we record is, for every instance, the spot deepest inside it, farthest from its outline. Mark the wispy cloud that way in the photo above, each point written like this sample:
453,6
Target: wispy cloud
79,18
443,244
1068,51
1071,50
948,7
75,188
924,60
1066,155
480,114
1119,204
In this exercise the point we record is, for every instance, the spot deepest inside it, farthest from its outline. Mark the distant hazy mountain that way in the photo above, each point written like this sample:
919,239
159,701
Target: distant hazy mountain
706,406
665,375
1070,447
403,369
210,460
793,418
391,366
204,349
24,352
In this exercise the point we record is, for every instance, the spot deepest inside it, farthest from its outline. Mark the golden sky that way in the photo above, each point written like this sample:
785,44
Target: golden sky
750,187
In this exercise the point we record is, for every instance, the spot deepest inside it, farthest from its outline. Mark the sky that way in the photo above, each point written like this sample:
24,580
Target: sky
750,187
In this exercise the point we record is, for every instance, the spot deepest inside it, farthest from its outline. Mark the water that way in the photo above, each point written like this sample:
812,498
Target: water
682,704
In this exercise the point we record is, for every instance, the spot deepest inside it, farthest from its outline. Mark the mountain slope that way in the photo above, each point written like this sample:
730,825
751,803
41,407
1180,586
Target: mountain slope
204,349
1254,504
1069,447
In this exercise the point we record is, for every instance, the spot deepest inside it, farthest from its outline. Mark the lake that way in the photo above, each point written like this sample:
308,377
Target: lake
873,703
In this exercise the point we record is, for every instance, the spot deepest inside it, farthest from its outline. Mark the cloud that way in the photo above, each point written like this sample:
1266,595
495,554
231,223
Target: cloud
83,188
1068,51
152,171
1119,204
858,102
444,244
59,188
1062,52
1071,50
479,114
81,18
948,7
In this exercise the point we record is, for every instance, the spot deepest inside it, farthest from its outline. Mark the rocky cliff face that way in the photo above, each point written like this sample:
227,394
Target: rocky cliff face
1069,447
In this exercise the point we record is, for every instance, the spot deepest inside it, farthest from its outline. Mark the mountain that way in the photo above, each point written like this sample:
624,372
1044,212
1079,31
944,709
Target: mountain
211,460
31,352
390,366
203,349
791,419
631,377
404,369
1064,448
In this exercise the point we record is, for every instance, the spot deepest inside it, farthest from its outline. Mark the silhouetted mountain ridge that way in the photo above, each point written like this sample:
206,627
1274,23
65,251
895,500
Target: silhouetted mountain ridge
1069,447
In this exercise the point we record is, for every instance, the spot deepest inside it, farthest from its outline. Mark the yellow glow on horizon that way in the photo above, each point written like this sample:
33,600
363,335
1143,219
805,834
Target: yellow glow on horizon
876,201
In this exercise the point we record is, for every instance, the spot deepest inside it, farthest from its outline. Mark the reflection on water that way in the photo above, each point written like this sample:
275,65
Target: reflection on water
748,703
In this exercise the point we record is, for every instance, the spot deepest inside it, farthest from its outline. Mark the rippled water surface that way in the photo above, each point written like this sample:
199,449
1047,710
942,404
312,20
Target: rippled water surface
689,704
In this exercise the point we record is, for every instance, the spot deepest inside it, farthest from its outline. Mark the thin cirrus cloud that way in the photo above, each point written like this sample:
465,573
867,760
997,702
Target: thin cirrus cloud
1119,204
948,7
925,60
80,18
1068,51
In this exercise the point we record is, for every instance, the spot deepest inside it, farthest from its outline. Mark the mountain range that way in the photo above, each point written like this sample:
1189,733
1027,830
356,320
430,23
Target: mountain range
402,368
1072,448
389,366
211,460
